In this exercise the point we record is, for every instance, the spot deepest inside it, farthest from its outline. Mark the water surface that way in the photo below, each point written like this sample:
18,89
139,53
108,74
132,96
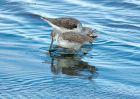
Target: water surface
110,70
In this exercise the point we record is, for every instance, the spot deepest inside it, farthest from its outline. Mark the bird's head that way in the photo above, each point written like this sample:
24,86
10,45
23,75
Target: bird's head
89,32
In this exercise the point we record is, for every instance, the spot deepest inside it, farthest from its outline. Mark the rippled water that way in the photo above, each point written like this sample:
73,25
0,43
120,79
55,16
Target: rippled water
110,70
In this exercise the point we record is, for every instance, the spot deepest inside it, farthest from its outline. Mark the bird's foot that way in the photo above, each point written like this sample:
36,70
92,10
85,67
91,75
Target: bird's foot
52,50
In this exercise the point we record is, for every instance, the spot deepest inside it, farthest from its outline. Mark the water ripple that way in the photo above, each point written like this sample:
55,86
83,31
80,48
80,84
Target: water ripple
109,70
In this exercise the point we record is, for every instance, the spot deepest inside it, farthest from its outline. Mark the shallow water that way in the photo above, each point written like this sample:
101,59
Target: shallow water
110,70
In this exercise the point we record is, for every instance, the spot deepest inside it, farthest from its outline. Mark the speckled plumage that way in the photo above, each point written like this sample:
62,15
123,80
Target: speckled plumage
65,22
76,37
72,40
69,24
69,32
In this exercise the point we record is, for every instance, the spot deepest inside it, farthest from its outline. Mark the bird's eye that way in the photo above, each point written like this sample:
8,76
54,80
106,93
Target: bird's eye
75,26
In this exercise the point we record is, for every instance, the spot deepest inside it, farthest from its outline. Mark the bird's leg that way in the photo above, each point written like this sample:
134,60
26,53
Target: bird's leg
51,45
50,48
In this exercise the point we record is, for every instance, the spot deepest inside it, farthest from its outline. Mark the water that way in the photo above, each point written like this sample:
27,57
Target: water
110,70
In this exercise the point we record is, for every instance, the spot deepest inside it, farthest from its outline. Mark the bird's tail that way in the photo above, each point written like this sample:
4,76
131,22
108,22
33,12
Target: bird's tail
91,40
50,21
42,17
93,35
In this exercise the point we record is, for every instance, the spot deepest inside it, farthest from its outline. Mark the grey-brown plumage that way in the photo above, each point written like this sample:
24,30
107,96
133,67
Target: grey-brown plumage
65,22
71,40
76,37
69,32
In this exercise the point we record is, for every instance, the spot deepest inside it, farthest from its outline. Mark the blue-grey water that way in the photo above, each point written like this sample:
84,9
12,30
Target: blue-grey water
110,70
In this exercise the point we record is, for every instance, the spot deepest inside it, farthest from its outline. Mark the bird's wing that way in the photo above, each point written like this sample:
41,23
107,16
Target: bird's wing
65,22
76,37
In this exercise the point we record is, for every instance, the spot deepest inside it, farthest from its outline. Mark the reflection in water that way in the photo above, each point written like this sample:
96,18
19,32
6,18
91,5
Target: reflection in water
73,66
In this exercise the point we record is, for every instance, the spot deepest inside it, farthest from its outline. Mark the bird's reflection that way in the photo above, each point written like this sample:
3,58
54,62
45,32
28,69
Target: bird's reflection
72,66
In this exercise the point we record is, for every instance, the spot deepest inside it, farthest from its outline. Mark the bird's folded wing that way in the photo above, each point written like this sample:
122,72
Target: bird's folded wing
66,22
76,37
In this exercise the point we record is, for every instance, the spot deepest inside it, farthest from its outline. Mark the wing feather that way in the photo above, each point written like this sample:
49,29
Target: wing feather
77,37
66,22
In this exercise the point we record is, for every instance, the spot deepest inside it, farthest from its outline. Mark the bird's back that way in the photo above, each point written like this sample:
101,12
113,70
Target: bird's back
66,22
77,37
